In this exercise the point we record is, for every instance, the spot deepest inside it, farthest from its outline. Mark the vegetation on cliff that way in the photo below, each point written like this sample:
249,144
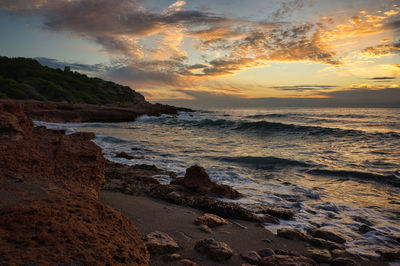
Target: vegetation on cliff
25,78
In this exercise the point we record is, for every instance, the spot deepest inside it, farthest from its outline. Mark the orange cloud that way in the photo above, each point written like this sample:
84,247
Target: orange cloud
382,50
360,25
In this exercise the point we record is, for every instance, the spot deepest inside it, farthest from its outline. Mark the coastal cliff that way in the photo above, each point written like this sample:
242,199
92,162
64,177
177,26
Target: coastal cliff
49,208
56,95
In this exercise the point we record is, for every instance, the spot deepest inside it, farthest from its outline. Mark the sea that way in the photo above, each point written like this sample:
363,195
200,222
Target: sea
338,168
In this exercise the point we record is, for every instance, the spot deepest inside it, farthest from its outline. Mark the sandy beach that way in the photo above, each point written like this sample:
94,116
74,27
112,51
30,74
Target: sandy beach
150,215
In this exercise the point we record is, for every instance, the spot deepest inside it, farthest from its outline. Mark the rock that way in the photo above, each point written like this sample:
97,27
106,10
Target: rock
54,216
327,235
343,262
114,184
197,180
321,256
138,180
363,229
286,252
171,257
124,155
292,234
251,257
390,254
218,251
210,220
319,242
206,229
67,112
187,262
280,213
10,128
266,252
159,243
284,260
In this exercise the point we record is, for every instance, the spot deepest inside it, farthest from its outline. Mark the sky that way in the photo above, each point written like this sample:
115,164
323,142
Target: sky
229,53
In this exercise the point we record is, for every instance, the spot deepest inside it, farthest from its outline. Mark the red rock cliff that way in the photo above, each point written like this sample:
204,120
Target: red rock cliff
49,208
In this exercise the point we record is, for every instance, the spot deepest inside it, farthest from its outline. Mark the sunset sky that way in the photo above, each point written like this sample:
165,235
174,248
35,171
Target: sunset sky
217,50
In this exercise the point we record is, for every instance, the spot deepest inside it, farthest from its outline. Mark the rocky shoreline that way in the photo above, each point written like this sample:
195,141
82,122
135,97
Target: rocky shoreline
62,112
50,210
321,246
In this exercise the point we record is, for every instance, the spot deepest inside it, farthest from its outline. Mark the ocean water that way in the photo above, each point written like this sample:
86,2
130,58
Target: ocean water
338,168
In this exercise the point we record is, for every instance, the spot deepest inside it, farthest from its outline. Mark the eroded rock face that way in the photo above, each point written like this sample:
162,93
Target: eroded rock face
216,250
49,207
159,243
197,180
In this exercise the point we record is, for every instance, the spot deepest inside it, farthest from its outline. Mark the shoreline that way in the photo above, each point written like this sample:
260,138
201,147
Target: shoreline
135,192
62,112
47,169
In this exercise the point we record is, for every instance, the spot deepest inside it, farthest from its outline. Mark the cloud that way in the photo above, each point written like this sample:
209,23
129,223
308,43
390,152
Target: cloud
288,7
363,24
383,49
304,87
159,46
53,63
382,79
385,97
116,25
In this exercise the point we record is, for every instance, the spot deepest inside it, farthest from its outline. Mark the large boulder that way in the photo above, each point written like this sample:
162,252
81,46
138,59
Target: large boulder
197,180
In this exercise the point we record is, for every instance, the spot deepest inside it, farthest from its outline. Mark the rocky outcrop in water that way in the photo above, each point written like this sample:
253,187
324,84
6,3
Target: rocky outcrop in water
143,180
197,180
49,208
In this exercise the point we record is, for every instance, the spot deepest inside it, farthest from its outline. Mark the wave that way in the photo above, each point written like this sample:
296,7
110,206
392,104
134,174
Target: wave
266,127
272,127
110,139
268,162
385,179
306,115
